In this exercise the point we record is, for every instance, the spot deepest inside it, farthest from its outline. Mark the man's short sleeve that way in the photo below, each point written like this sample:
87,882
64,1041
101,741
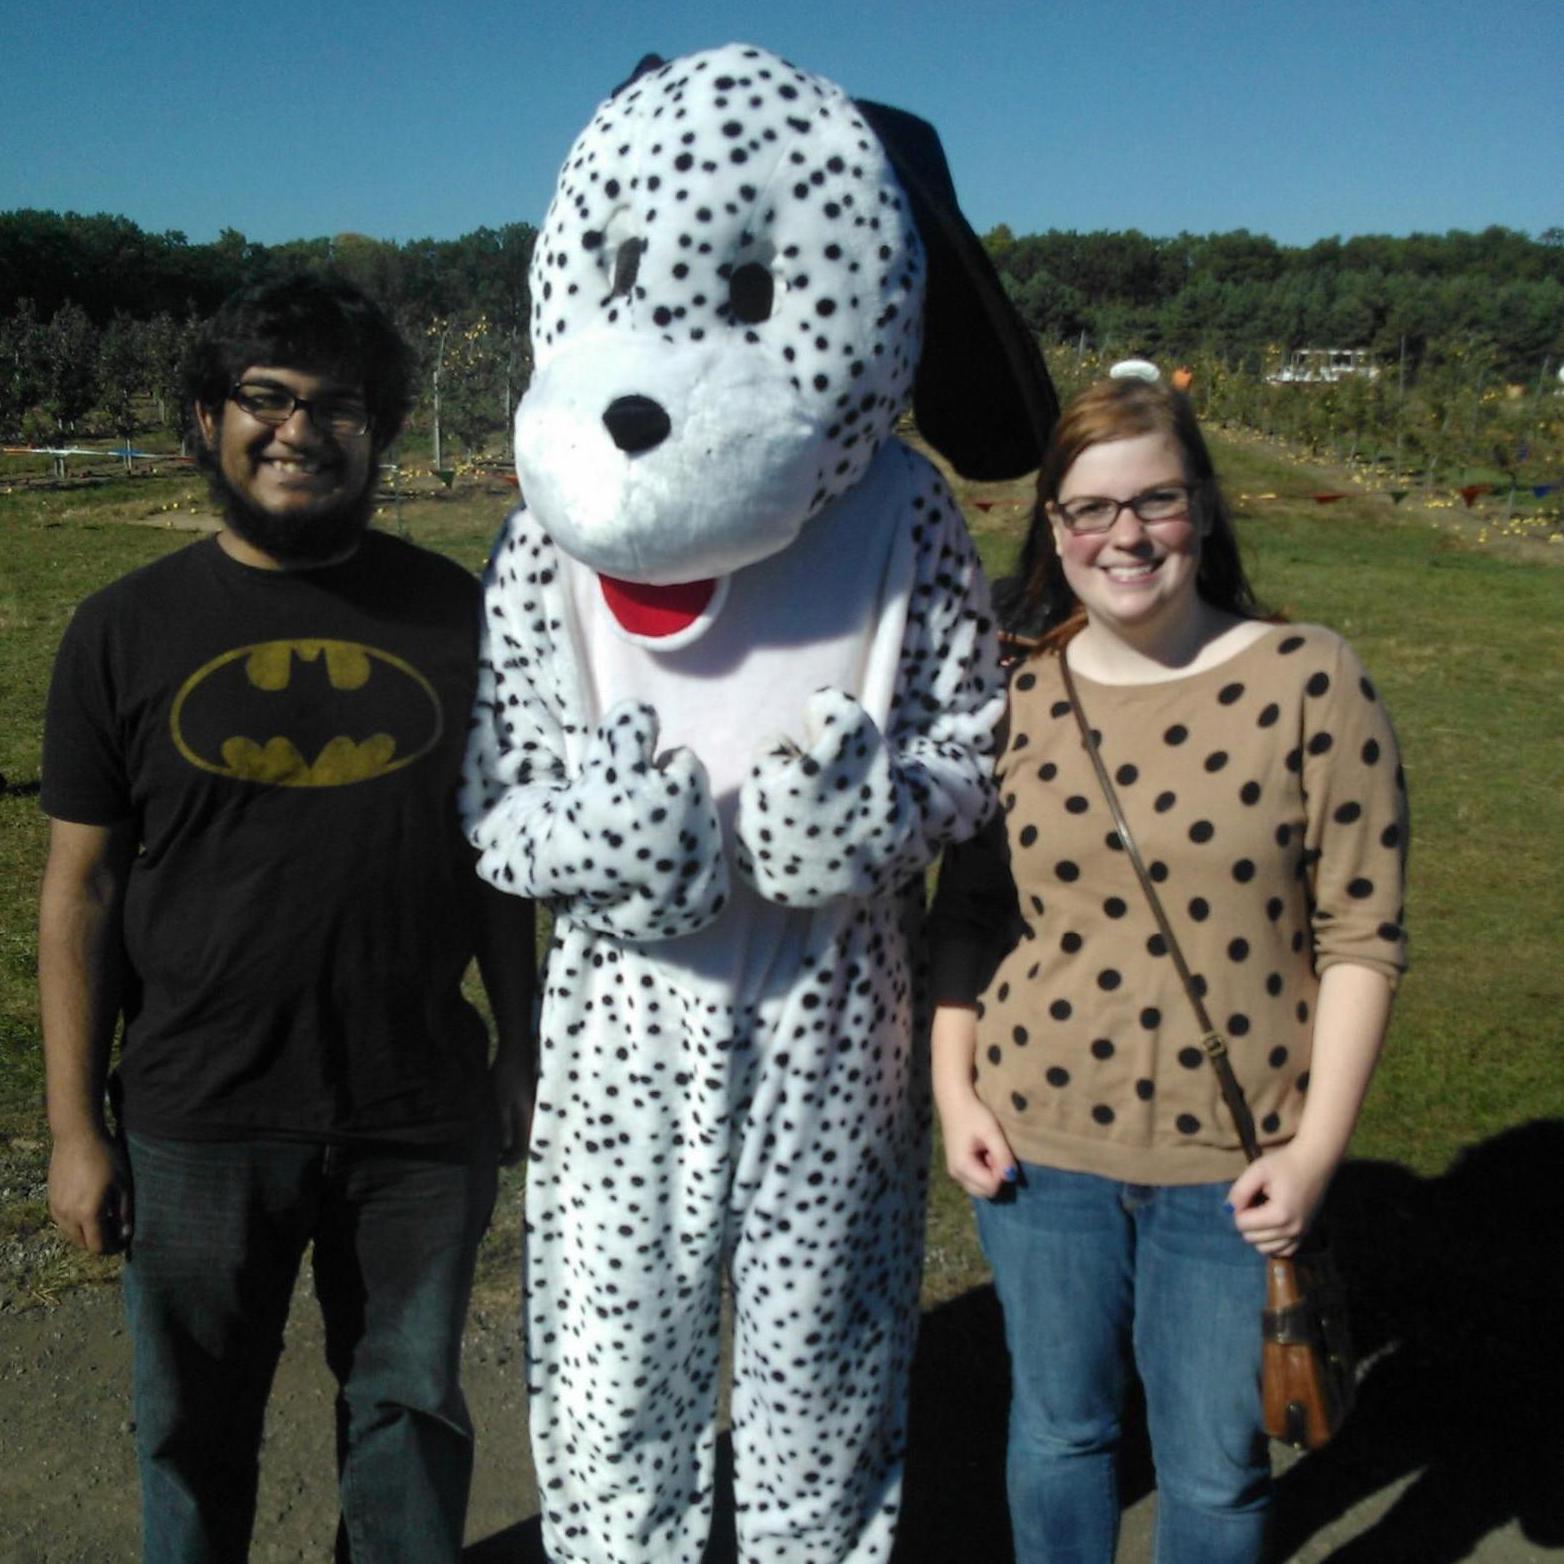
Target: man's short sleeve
85,777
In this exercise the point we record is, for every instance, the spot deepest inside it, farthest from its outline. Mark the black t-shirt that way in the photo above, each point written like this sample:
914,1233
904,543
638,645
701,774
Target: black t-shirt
301,913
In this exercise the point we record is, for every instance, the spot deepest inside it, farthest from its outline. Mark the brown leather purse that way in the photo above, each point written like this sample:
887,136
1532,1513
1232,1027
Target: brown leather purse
1307,1374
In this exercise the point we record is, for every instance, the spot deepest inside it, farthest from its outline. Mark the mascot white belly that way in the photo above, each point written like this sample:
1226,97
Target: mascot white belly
737,693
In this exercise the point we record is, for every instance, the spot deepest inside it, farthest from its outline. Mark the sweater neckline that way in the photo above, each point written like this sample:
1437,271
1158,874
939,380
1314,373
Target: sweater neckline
1182,680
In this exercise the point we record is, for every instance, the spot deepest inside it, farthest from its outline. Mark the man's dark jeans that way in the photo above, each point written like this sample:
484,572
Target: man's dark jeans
220,1231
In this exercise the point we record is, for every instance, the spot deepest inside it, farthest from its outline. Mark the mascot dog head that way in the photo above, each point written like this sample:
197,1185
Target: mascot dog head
729,308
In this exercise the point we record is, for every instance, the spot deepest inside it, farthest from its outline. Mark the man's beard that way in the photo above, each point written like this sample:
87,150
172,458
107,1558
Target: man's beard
298,539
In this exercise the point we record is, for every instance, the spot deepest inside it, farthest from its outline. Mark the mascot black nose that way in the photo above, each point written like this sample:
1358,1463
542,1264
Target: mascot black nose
636,423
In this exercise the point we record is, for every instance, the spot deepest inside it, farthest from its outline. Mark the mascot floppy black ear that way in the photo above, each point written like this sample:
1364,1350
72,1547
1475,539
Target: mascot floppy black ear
982,396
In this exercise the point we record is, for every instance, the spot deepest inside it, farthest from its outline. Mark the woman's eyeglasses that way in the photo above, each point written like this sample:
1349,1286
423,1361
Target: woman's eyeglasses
1097,513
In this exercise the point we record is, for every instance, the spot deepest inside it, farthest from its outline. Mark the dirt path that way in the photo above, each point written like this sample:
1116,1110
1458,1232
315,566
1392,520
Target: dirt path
68,1488
67,1463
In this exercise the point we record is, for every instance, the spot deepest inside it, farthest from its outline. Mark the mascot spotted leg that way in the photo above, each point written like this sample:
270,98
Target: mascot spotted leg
737,694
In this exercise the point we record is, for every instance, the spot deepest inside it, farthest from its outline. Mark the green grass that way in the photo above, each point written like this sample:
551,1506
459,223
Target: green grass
1466,643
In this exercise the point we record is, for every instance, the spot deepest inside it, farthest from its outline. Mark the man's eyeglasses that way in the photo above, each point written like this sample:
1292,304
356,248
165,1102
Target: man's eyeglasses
275,405
1097,513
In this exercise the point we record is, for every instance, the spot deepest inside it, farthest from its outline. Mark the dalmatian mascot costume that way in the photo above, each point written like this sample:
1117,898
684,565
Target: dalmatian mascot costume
737,694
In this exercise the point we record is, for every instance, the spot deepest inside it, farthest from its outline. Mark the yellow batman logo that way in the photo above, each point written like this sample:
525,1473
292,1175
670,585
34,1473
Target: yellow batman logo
305,713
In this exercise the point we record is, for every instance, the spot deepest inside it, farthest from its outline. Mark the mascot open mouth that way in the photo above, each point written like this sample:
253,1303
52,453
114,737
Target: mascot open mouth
663,616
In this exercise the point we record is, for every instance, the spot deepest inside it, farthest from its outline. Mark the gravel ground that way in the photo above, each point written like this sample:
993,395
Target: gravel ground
68,1490
67,1462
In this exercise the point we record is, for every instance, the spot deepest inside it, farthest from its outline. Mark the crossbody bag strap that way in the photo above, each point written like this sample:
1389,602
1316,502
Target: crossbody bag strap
1211,1040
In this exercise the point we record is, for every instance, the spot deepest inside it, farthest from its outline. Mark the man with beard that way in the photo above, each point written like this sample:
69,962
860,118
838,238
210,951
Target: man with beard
250,758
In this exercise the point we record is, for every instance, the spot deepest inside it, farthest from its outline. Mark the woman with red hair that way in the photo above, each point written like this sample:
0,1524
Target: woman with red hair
1256,770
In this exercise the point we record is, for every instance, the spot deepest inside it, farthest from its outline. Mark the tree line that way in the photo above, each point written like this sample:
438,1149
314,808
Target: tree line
1244,297
96,316
95,313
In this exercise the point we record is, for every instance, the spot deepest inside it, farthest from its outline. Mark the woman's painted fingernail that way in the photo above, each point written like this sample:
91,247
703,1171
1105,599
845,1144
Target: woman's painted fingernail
1011,1174
1228,1206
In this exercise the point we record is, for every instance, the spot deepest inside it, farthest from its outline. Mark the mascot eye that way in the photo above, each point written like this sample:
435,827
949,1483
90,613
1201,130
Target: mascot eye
626,264
750,292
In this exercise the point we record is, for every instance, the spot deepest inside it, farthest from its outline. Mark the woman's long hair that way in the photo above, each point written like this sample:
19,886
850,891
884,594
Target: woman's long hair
1036,603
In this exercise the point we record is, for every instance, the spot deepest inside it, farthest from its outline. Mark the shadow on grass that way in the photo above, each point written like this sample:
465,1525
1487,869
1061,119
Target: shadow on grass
1457,1290
1457,1287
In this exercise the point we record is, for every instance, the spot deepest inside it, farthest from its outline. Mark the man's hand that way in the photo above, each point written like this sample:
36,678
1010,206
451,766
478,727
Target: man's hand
507,944
89,1193
513,1079
79,980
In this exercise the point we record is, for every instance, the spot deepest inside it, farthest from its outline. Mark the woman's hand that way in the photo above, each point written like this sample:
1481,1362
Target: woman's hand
1275,1198
977,1155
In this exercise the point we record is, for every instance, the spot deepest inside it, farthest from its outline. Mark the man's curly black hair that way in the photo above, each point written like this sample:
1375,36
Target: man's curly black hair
312,322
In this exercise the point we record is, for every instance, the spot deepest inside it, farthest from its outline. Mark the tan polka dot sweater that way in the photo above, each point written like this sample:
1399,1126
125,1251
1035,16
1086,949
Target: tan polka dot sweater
1266,798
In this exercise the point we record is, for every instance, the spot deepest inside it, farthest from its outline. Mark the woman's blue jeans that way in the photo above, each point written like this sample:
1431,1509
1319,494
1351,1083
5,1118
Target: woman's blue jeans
220,1230
1092,1273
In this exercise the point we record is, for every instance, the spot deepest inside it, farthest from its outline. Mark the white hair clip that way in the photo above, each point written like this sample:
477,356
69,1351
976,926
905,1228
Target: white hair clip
1135,369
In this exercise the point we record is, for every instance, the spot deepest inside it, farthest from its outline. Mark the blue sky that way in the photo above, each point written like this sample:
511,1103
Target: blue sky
1299,120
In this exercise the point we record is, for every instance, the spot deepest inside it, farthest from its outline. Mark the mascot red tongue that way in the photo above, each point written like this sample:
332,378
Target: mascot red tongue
656,611
728,784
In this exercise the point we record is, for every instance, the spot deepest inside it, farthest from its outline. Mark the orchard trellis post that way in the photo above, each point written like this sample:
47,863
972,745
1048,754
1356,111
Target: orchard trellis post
439,365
